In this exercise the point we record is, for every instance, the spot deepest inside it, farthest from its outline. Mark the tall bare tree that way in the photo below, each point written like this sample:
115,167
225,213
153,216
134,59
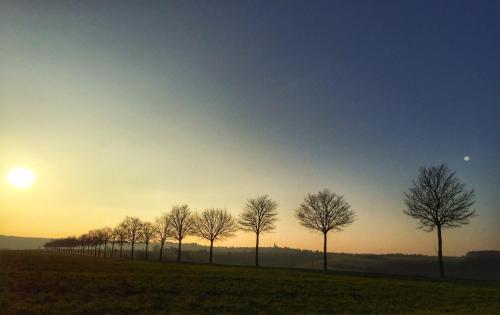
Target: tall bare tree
121,236
132,227
439,200
85,239
89,241
258,216
163,230
99,239
182,224
146,235
95,240
113,240
325,211
106,234
214,224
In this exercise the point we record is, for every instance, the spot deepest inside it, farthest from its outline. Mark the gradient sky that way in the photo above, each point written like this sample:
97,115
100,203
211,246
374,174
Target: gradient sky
127,108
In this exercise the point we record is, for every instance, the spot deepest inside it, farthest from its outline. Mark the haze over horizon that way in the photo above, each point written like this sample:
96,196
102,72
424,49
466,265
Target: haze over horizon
122,108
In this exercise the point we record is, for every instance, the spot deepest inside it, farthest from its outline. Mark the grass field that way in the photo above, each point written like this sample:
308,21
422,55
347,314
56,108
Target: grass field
35,282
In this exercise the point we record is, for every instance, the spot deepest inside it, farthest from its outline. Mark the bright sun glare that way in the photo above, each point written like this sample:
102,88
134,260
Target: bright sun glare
21,177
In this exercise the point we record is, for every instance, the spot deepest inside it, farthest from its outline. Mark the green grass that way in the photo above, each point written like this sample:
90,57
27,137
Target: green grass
35,282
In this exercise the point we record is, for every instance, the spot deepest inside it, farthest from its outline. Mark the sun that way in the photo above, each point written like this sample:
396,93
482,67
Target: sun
21,177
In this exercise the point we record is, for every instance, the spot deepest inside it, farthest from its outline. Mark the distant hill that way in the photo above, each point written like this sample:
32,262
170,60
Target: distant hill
18,242
484,254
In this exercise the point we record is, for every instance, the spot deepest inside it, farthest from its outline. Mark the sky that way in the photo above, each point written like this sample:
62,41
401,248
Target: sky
128,108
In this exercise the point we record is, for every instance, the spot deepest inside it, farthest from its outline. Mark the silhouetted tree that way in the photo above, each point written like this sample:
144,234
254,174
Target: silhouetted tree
146,235
214,224
182,225
121,236
258,216
325,211
83,243
95,240
439,200
105,235
99,240
163,230
113,242
132,227
87,240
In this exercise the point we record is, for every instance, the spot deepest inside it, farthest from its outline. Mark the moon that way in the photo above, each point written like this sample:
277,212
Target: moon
21,177
466,158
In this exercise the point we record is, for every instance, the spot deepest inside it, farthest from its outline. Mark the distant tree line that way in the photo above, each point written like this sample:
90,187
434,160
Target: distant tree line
437,199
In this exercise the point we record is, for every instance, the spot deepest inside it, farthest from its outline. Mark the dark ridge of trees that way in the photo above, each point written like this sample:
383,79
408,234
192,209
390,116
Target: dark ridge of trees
181,221
67,243
325,211
438,200
258,216
484,254
214,224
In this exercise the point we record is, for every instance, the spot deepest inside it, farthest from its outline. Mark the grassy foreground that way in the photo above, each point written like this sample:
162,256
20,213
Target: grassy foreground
42,282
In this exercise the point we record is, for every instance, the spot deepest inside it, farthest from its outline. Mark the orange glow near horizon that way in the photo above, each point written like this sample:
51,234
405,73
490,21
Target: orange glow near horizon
60,206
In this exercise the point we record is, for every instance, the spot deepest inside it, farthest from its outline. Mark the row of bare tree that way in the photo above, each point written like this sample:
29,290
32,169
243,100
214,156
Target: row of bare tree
437,199
211,224
324,211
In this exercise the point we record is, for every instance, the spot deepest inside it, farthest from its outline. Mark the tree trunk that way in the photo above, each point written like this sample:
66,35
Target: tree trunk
325,267
99,252
132,252
121,248
211,250
105,248
161,250
179,251
257,250
146,255
440,252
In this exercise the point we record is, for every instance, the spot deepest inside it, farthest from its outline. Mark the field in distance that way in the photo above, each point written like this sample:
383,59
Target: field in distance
44,282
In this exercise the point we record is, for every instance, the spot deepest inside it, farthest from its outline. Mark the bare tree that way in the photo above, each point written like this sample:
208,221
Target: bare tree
439,200
87,238
132,227
258,216
113,240
214,224
182,224
94,240
325,211
99,239
163,230
106,234
146,235
121,236
85,241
